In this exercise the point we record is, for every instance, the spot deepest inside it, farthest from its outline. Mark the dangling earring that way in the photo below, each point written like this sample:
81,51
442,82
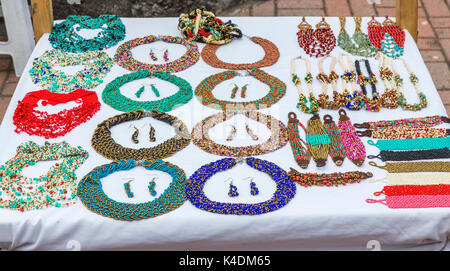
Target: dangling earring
127,189
152,134
233,91
155,90
250,132
134,137
232,133
152,55
140,91
232,192
166,55
243,89
253,189
151,187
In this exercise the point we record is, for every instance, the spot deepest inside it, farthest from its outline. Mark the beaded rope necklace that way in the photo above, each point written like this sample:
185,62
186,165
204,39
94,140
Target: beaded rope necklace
324,100
125,59
317,140
91,193
204,91
298,146
328,179
411,144
354,148
43,73
415,81
389,99
112,96
34,122
374,103
200,135
389,155
302,99
337,150
316,43
285,188
64,37
399,167
105,145
55,188
359,44
271,55
354,101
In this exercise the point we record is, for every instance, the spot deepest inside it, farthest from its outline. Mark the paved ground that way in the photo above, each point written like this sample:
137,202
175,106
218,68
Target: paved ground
433,42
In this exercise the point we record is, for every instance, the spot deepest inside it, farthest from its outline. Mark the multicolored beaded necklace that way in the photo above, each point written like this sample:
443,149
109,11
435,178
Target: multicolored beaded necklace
56,188
112,96
97,65
91,193
285,188
64,37
359,44
324,101
388,37
302,99
124,56
389,99
33,122
353,100
374,103
316,43
204,91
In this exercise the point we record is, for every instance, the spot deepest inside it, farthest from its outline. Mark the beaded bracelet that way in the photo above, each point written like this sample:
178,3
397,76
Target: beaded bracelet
64,37
319,42
404,133
56,188
324,100
40,123
411,144
96,65
354,101
124,56
91,193
337,150
302,100
317,140
298,145
271,55
328,179
420,122
398,167
112,96
374,103
105,145
200,135
415,178
204,91
414,201
354,148
389,155
389,99
359,44
285,188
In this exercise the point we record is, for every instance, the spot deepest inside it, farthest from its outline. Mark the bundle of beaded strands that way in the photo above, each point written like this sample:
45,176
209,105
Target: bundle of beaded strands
204,91
337,150
105,145
302,98
317,140
389,99
124,57
316,43
112,96
33,122
328,179
355,99
200,135
64,37
324,101
374,103
56,188
97,65
388,37
285,188
359,44
298,146
94,198
354,148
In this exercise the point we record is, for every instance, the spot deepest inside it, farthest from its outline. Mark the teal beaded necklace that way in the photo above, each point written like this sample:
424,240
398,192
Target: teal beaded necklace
112,96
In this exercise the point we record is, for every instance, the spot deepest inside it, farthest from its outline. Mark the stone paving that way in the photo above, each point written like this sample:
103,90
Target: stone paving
433,41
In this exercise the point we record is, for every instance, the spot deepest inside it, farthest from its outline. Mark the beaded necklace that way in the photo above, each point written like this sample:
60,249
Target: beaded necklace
354,148
389,155
34,122
200,135
354,101
337,150
56,188
328,179
298,146
204,91
415,81
112,96
97,65
389,99
319,42
359,44
105,145
124,56
285,188
324,100
64,37
374,103
91,193
302,99
388,37
411,144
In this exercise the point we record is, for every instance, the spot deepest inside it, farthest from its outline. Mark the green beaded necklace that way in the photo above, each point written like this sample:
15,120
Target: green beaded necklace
359,44
112,96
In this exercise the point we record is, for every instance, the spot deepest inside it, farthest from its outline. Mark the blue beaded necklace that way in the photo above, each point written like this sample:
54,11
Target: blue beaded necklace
284,193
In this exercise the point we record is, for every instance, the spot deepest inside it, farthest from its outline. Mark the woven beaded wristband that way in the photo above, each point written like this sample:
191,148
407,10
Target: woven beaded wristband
91,193
112,96
328,179
410,144
285,188
389,155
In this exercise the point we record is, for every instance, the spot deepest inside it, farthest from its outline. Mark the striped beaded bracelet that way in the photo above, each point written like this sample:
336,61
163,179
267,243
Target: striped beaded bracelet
328,179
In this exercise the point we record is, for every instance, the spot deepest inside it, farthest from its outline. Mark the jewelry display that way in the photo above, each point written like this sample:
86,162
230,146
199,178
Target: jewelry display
328,179
359,44
299,148
316,43
302,97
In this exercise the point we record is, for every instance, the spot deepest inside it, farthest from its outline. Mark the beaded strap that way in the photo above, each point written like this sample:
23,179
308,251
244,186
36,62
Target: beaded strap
389,155
398,167
354,101
298,146
411,144
112,96
337,150
415,81
302,98
328,179
91,193
354,148
359,44
285,188
105,145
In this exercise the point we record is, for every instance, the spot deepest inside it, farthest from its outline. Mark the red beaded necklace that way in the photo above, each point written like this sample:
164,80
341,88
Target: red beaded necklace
319,42
34,122
377,32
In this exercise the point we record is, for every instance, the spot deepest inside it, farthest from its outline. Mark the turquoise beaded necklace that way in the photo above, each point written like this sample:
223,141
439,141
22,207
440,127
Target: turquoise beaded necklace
112,96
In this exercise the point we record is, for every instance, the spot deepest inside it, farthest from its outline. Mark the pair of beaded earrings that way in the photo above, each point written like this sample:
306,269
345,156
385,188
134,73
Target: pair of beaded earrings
134,136
247,128
232,192
236,88
142,89
151,188
165,55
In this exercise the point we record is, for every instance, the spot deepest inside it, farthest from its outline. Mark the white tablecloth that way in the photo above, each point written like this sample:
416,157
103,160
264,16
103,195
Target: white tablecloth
317,217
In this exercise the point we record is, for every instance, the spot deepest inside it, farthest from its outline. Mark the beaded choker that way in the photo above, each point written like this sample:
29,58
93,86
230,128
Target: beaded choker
105,145
201,138
91,193
56,188
44,74
302,98
112,96
328,179
34,122
64,37
319,42
374,103
204,91
285,188
359,44
125,59
271,56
